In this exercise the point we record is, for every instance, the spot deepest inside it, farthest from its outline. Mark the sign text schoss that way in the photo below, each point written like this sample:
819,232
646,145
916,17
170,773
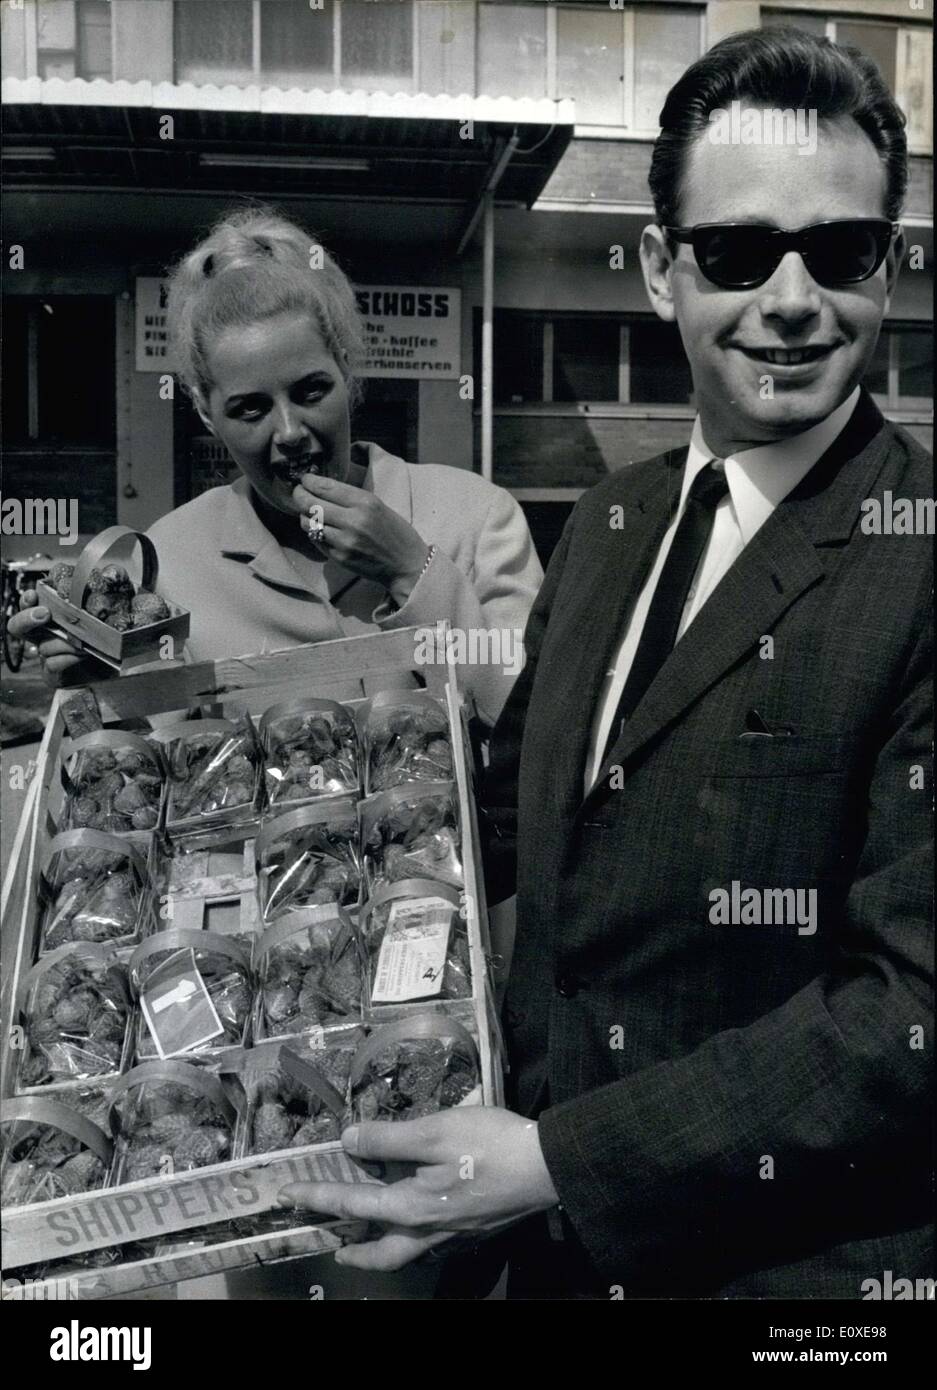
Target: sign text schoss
411,331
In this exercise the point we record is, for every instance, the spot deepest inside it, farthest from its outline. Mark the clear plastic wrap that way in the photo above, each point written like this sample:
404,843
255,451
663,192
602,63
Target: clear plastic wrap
53,1149
417,945
310,751
412,831
76,1010
310,972
113,781
297,1093
92,888
414,1067
214,772
170,1117
307,858
405,735
223,962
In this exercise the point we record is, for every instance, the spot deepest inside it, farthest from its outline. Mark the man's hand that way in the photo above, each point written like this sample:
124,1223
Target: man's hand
362,533
477,1169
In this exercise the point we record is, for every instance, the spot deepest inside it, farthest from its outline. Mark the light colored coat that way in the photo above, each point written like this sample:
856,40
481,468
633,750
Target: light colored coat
219,561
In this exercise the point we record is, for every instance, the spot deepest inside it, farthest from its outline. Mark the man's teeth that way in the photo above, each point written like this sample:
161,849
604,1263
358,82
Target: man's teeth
789,357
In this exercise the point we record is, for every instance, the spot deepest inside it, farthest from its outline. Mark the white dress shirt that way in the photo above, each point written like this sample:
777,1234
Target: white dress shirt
758,480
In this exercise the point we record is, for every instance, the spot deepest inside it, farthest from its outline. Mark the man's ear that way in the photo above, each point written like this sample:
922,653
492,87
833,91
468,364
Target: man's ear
656,267
893,263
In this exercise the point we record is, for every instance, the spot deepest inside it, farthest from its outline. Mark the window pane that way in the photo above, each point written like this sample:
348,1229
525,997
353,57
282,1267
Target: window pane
76,369
585,360
915,364
916,97
446,45
590,65
877,41
94,39
660,372
518,357
57,65
55,24
213,41
796,19
512,50
377,45
296,44
665,45
876,378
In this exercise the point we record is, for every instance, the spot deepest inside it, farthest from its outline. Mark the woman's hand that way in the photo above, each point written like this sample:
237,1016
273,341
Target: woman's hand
62,663
362,533
478,1169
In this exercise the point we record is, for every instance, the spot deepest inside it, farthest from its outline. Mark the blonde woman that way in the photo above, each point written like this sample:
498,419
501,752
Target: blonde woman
321,537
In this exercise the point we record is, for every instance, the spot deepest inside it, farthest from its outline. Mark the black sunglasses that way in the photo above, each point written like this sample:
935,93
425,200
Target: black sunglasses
743,255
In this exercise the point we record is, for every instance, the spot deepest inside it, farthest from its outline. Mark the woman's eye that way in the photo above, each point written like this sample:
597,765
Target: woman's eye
248,413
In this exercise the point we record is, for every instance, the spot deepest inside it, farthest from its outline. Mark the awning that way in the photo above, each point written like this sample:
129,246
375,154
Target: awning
336,145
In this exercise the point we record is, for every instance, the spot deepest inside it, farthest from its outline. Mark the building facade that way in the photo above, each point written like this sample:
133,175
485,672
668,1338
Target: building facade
387,127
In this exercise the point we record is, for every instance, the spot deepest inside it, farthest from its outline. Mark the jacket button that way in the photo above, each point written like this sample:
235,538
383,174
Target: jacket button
567,986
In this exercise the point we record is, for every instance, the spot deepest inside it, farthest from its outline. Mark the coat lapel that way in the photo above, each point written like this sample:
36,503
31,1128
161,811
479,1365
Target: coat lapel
594,615
781,562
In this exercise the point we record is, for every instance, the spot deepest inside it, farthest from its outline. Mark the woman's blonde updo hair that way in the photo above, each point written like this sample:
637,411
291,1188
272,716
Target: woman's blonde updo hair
252,266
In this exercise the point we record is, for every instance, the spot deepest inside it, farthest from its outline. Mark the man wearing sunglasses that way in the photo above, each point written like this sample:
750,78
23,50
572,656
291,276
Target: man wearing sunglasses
709,784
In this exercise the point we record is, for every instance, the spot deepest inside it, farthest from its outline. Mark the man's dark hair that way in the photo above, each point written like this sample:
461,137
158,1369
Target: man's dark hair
784,68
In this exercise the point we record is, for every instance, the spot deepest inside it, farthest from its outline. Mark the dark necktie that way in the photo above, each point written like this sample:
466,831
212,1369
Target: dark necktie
663,620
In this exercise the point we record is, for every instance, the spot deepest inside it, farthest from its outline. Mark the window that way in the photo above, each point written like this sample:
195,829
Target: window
60,371
617,64
900,375
657,365
73,39
585,359
512,50
665,45
213,41
297,45
903,52
542,358
377,45
349,43
590,64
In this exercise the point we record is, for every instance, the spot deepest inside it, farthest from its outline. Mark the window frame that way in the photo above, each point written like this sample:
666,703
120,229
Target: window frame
627,130
897,28
75,51
257,72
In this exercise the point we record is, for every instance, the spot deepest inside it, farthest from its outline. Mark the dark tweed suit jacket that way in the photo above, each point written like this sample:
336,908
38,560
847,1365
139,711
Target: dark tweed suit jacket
670,1058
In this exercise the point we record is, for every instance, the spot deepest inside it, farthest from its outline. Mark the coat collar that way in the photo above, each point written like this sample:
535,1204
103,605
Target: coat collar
783,560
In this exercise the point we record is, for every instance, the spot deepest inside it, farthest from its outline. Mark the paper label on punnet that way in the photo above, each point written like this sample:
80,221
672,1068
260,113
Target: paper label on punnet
412,957
178,1008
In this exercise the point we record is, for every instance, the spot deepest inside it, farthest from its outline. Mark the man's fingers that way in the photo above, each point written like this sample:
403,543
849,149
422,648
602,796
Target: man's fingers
417,1141
26,622
393,1205
392,1251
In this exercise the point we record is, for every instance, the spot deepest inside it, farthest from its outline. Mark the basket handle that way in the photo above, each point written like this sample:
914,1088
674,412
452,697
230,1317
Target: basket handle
98,549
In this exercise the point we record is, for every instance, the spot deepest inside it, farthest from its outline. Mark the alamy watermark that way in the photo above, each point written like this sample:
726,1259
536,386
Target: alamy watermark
764,907
764,125
474,646
40,516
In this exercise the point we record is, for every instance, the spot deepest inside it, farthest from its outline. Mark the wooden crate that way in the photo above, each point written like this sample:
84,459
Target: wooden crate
116,1216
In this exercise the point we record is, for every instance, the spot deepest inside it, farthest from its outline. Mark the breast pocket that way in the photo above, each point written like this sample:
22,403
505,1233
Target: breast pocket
777,812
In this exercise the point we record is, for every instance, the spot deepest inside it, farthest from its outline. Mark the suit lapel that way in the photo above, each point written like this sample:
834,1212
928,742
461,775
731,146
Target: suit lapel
780,563
595,613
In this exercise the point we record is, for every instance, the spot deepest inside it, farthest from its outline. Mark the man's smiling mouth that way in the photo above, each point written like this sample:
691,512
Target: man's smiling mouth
788,357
